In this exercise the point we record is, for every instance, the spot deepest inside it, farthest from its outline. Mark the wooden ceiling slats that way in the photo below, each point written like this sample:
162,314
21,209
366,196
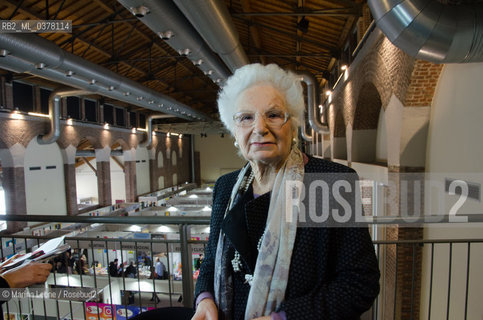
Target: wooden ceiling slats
137,53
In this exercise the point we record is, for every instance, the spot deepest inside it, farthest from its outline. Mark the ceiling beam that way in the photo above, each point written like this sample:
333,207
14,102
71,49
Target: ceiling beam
337,12
254,33
333,50
303,55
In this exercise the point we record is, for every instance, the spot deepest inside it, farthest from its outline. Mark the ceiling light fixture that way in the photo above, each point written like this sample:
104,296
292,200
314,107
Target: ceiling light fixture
166,35
303,25
4,53
40,65
140,11
184,52
197,62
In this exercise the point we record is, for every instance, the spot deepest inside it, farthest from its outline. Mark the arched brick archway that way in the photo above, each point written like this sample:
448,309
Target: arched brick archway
366,121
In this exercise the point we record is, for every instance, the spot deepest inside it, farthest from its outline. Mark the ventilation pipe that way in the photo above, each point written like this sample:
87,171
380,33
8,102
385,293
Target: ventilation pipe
432,31
312,103
149,128
213,22
29,53
54,113
165,20
303,131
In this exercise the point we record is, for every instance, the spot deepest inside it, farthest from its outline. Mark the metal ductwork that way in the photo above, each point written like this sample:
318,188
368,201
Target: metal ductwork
149,129
303,132
54,113
213,22
431,30
312,102
165,19
29,53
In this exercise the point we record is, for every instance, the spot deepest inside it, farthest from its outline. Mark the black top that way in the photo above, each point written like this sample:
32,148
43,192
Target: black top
333,272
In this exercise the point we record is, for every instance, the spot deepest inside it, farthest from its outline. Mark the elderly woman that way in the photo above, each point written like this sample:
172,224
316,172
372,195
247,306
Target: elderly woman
259,264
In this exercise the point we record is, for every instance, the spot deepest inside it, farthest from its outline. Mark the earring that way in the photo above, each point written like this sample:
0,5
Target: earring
294,141
236,144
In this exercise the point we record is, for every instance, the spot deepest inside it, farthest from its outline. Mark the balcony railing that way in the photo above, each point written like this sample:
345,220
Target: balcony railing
426,279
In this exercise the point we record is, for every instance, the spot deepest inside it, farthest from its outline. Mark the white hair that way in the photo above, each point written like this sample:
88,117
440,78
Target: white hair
286,82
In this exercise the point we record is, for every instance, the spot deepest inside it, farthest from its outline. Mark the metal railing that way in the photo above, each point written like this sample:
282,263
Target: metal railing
410,272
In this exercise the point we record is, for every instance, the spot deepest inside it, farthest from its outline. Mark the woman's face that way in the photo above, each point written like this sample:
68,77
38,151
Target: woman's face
264,141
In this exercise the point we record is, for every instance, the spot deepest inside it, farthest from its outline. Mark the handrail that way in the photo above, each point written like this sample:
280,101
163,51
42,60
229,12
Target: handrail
109,219
384,220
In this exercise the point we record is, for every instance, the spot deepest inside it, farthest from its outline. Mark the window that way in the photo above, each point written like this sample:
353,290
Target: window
108,114
142,121
23,97
120,119
73,107
44,100
90,109
132,119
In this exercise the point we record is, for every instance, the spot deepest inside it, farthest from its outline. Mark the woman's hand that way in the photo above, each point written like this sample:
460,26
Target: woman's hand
263,318
206,310
30,274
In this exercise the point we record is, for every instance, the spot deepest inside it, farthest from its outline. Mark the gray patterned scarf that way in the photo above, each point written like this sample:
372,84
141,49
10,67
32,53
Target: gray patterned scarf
273,262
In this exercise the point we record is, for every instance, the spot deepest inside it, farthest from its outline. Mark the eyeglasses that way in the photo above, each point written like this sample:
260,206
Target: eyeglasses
272,118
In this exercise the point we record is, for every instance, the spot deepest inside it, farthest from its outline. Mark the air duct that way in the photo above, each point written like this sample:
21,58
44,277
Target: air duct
165,20
312,103
214,24
303,132
26,52
149,129
431,30
54,113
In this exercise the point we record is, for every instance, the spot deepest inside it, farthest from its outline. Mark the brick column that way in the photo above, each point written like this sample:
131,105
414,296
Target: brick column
153,176
103,176
402,264
153,169
130,174
15,201
70,181
70,189
130,179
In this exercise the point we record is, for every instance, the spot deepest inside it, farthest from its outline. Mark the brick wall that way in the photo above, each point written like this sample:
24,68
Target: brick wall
423,82
23,131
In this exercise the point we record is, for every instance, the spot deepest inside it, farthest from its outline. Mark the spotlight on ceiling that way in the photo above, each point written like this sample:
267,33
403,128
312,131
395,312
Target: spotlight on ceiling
303,25
40,65
166,35
140,11
184,52
4,53
197,62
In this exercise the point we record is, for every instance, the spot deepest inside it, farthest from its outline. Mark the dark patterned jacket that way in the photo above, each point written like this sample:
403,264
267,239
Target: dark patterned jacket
333,273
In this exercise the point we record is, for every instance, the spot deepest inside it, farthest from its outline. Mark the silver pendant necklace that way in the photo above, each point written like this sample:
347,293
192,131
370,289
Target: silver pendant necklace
236,262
